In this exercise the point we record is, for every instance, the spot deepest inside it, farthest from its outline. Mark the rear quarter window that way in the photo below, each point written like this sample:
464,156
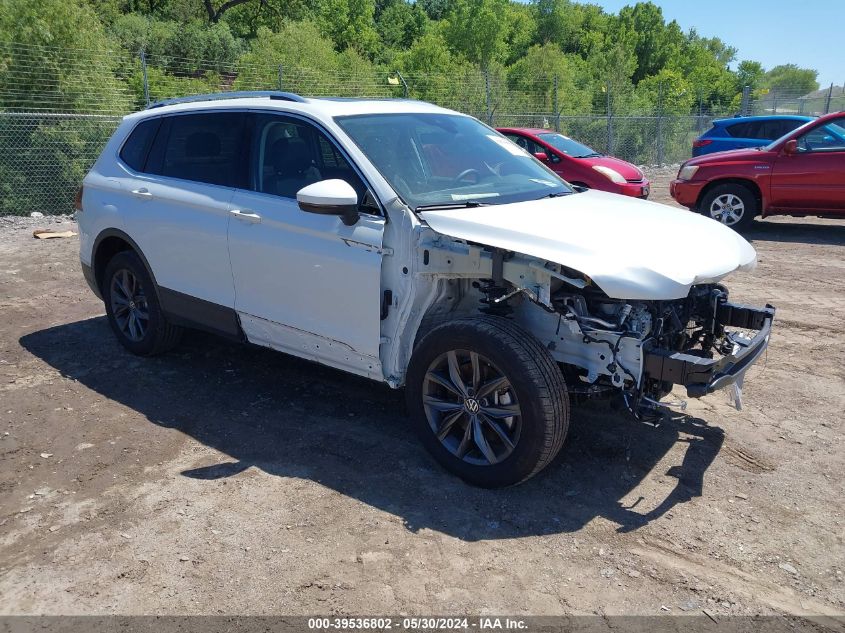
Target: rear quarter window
137,146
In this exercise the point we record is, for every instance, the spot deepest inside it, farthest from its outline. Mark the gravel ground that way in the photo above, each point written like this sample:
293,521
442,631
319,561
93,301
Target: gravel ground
234,480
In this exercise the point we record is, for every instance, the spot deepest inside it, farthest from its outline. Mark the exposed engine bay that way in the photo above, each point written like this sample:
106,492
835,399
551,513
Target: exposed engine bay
607,346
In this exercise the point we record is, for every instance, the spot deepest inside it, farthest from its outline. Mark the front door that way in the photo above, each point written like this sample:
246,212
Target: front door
813,179
304,283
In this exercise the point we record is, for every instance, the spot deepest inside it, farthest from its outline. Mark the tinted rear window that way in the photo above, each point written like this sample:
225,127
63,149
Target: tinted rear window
202,147
742,130
763,130
137,146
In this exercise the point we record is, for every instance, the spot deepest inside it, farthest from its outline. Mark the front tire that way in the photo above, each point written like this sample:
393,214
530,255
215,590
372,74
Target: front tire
133,308
733,205
487,400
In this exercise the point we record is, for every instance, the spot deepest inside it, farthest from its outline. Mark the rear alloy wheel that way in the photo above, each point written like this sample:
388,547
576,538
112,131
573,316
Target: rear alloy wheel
133,308
731,204
129,305
487,400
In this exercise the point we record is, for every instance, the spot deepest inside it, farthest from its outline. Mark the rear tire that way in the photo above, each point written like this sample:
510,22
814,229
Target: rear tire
133,308
733,205
487,400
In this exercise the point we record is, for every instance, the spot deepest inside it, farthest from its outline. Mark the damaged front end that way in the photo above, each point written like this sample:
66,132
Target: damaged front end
702,342
604,345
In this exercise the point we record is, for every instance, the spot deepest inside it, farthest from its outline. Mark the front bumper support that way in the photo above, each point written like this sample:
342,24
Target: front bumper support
705,375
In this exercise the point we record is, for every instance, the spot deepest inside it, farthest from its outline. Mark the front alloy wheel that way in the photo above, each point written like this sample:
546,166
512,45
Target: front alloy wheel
471,407
487,400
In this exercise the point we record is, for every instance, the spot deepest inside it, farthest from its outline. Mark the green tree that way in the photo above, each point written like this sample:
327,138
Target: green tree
751,74
558,22
656,43
435,9
305,56
789,79
429,54
533,77
244,20
59,56
521,32
399,24
55,56
349,23
477,29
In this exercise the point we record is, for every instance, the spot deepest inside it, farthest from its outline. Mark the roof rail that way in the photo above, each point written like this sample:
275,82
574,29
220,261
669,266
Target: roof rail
243,94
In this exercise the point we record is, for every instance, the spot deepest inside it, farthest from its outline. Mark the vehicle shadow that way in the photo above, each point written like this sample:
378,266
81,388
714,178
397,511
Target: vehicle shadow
291,418
796,232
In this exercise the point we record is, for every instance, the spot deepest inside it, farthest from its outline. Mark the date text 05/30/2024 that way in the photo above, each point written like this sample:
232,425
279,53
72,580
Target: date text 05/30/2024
490,623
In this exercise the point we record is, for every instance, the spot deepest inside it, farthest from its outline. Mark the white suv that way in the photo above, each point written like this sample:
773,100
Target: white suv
416,246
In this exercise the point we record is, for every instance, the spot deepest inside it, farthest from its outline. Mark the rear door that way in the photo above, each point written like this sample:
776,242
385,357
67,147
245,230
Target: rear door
304,283
814,178
180,215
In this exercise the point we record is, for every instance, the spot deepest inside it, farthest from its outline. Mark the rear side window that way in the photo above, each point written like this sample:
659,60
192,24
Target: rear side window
743,130
137,146
763,130
770,130
208,147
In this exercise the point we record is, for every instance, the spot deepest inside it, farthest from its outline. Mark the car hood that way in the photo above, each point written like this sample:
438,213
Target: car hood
626,169
732,156
632,249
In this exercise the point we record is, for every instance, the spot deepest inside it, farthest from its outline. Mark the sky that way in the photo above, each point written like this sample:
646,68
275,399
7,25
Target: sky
772,32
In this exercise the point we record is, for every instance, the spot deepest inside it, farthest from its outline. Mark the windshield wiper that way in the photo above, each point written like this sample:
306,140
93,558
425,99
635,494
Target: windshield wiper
443,206
554,194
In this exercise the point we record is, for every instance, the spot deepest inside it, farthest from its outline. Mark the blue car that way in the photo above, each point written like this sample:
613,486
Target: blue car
746,131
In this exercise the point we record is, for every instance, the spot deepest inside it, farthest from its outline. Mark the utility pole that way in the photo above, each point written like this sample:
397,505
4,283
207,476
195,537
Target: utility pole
555,106
829,95
281,77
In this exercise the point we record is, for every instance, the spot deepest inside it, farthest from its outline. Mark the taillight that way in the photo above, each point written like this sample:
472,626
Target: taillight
77,201
701,142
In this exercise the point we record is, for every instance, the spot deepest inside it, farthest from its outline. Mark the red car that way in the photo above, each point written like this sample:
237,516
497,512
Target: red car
578,164
802,173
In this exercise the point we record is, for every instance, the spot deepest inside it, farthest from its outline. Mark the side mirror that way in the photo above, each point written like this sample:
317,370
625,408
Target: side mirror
541,156
330,197
790,148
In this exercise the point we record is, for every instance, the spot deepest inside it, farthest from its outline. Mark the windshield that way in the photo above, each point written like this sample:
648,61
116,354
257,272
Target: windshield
433,159
567,145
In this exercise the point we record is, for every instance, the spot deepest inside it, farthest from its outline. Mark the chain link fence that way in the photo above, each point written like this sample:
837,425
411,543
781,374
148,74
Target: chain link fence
822,101
58,107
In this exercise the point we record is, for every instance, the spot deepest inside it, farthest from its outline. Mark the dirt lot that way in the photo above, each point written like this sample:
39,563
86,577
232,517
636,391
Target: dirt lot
226,479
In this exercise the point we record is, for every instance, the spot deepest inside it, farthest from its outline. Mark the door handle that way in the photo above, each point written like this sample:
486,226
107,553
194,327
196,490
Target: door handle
246,216
142,193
